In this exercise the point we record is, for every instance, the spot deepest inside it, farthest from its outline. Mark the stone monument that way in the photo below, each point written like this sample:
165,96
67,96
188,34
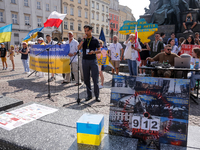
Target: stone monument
170,14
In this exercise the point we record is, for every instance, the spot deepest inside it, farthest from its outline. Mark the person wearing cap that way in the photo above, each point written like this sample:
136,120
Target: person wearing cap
74,65
11,55
3,53
132,62
114,52
50,42
40,41
90,46
24,57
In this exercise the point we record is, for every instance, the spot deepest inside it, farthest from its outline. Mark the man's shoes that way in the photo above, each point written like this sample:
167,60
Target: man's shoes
88,98
100,86
3,69
98,99
186,31
51,79
190,31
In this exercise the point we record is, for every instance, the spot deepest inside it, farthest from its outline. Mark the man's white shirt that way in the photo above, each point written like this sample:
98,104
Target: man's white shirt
73,48
115,51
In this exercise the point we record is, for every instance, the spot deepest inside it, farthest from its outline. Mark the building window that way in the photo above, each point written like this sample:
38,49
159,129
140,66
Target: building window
92,28
97,29
97,16
114,17
86,2
55,8
86,14
92,15
1,16
106,31
107,9
79,1
116,26
106,18
38,5
103,8
71,11
103,18
110,17
113,25
65,25
39,21
79,12
72,0
65,9
13,1
79,27
92,4
26,3
47,7
27,20
71,26
14,18
97,6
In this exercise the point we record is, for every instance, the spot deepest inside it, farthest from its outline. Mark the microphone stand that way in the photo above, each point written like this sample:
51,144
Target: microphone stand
49,92
78,101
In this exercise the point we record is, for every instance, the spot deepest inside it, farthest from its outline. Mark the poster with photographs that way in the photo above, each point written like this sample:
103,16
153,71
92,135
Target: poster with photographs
154,110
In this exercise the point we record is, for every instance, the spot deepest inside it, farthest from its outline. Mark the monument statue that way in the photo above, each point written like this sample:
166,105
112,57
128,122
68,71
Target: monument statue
194,4
162,14
165,10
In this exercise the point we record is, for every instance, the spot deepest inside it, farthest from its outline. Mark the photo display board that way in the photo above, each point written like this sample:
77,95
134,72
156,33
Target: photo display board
154,110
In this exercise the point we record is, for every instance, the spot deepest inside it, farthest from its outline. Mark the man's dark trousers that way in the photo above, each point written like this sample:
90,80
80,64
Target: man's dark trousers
91,66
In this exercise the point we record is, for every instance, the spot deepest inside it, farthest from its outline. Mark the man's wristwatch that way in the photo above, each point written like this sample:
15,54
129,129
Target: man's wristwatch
94,52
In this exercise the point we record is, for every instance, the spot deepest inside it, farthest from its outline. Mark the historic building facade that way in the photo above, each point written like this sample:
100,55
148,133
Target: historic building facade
78,15
26,15
99,17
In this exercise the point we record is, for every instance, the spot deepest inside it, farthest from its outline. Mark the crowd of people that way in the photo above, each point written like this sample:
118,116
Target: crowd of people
90,50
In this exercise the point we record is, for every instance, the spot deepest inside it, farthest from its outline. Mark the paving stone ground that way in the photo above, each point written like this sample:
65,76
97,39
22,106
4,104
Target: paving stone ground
19,86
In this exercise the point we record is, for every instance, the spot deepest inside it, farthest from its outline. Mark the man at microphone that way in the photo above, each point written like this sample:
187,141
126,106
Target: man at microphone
90,46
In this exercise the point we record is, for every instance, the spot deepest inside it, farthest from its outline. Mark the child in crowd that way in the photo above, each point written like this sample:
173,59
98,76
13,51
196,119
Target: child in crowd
11,55
196,62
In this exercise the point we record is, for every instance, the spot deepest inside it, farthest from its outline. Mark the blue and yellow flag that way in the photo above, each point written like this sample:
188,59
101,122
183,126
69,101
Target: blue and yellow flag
32,34
5,33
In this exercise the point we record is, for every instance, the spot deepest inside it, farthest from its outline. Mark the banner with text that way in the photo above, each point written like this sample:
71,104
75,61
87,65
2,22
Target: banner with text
187,48
58,58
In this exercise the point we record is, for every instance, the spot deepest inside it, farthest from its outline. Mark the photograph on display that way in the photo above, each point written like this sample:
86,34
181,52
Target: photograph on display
141,106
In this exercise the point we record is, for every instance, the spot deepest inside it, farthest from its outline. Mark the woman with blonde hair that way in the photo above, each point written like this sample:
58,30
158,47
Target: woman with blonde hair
11,55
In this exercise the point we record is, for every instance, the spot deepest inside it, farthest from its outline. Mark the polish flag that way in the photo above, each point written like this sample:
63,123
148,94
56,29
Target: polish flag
136,43
54,19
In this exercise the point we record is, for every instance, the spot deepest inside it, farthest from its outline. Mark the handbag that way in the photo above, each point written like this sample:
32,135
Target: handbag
128,53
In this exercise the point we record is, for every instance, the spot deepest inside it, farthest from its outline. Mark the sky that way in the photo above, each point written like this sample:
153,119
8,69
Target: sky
137,6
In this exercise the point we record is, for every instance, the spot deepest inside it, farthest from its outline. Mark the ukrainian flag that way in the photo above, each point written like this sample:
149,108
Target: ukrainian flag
5,33
32,34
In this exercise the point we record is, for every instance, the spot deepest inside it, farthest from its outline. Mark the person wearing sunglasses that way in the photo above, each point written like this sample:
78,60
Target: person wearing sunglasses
165,57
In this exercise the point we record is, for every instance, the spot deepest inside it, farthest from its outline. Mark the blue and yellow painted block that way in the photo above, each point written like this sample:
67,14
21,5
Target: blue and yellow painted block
90,129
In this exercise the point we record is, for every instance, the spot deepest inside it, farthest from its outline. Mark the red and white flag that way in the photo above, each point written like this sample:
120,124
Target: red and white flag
136,43
54,19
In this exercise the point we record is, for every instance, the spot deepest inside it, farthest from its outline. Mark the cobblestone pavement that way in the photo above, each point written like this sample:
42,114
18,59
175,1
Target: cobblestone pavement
19,86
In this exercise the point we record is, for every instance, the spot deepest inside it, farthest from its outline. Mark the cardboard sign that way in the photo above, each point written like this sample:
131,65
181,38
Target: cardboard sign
187,48
144,29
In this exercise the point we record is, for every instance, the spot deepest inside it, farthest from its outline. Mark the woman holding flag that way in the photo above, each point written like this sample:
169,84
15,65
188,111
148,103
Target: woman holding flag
131,54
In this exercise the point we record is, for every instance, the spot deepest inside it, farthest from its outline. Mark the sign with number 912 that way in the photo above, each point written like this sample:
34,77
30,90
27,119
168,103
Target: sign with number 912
145,124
